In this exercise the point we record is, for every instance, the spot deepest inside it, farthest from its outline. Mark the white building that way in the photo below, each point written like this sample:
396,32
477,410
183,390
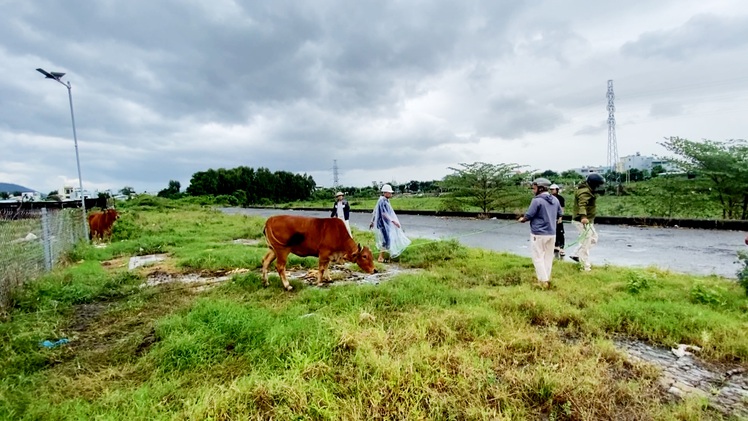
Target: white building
646,163
72,193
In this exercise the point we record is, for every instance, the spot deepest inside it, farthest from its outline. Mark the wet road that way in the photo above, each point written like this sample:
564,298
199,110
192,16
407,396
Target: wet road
694,251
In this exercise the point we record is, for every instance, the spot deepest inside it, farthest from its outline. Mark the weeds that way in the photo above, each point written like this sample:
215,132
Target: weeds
638,282
704,295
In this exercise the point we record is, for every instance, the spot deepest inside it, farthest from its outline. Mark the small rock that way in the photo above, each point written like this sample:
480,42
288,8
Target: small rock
683,350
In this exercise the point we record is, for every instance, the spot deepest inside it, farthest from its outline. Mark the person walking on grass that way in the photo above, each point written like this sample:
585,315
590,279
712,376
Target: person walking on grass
543,213
585,210
560,240
388,233
341,209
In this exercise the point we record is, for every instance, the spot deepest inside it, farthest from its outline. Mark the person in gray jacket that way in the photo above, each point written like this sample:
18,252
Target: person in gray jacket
543,213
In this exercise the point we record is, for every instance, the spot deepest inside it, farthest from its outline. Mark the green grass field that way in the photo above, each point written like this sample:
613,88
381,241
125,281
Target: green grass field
466,337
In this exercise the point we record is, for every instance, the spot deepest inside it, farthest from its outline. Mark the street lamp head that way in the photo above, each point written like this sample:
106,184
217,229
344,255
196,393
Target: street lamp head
51,75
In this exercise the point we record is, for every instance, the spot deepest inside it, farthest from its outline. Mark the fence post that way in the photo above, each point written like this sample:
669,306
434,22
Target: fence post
46,240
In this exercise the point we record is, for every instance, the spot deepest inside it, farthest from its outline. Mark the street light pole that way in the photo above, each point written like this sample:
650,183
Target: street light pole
56,76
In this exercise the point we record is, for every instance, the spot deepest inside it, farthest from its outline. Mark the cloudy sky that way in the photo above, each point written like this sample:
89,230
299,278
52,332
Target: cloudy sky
392,90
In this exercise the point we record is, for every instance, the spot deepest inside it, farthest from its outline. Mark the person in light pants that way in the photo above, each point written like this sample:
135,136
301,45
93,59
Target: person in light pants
585,210
543,213
587,238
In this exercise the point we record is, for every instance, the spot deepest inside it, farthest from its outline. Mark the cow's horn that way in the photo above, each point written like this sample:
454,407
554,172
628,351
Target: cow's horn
359,247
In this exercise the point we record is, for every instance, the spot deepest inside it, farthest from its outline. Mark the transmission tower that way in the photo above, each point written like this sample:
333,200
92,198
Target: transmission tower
612,142
335,182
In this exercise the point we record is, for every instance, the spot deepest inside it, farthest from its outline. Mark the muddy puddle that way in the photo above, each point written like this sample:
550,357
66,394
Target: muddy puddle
684,374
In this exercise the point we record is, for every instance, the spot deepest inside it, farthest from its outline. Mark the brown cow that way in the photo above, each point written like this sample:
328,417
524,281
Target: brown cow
100,223
326,238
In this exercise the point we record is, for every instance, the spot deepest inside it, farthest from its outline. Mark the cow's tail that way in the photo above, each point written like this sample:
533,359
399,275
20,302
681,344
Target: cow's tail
268,233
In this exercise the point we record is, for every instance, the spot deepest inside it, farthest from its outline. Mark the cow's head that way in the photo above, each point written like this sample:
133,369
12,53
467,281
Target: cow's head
364,259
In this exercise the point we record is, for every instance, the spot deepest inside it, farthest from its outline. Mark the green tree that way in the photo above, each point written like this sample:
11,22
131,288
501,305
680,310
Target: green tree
480,184
250,186
127,191
172,191
550,174
4,195
725,164
657,170
571,175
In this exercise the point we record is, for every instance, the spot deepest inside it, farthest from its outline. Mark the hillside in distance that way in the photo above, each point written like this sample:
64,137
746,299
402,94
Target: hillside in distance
11,188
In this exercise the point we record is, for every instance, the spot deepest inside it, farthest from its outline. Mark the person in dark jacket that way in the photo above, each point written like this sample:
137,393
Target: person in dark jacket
341,209
560,240
543,213
585,210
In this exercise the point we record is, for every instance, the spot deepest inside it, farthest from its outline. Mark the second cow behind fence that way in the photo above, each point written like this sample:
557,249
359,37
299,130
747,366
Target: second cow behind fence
100,223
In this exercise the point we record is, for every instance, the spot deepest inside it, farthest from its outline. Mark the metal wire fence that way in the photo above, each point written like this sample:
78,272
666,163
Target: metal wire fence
32,242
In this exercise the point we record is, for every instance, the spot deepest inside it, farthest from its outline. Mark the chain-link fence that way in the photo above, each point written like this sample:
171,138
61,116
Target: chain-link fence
32,241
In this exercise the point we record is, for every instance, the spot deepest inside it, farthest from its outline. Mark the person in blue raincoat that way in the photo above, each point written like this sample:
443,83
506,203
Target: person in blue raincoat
388,233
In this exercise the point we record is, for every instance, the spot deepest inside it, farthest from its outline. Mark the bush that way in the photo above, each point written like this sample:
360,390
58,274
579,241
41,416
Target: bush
638,282
124,228
450,204
702,295
226,200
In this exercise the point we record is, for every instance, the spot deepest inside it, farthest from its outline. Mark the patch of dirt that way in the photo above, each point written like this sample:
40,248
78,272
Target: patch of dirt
118,263
343,275
200,281
85,315
146,343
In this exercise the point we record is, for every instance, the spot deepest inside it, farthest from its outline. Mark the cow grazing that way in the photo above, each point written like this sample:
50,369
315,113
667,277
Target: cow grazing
326,238
100,223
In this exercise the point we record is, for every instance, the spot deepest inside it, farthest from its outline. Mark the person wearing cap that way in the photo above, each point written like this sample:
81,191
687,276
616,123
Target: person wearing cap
341,209
389,235
560,240
585,210
543,213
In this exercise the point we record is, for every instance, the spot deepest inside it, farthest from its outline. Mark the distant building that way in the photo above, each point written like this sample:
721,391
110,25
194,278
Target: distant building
71,193
646,163
26,196
584,171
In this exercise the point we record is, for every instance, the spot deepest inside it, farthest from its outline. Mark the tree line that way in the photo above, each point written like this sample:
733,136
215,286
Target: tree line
246,186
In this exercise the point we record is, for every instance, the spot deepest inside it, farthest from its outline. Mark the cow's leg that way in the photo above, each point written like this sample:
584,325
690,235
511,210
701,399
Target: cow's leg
324,261
266,261
280,266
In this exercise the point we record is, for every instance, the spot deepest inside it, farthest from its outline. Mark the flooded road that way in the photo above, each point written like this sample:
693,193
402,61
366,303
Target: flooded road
693,251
